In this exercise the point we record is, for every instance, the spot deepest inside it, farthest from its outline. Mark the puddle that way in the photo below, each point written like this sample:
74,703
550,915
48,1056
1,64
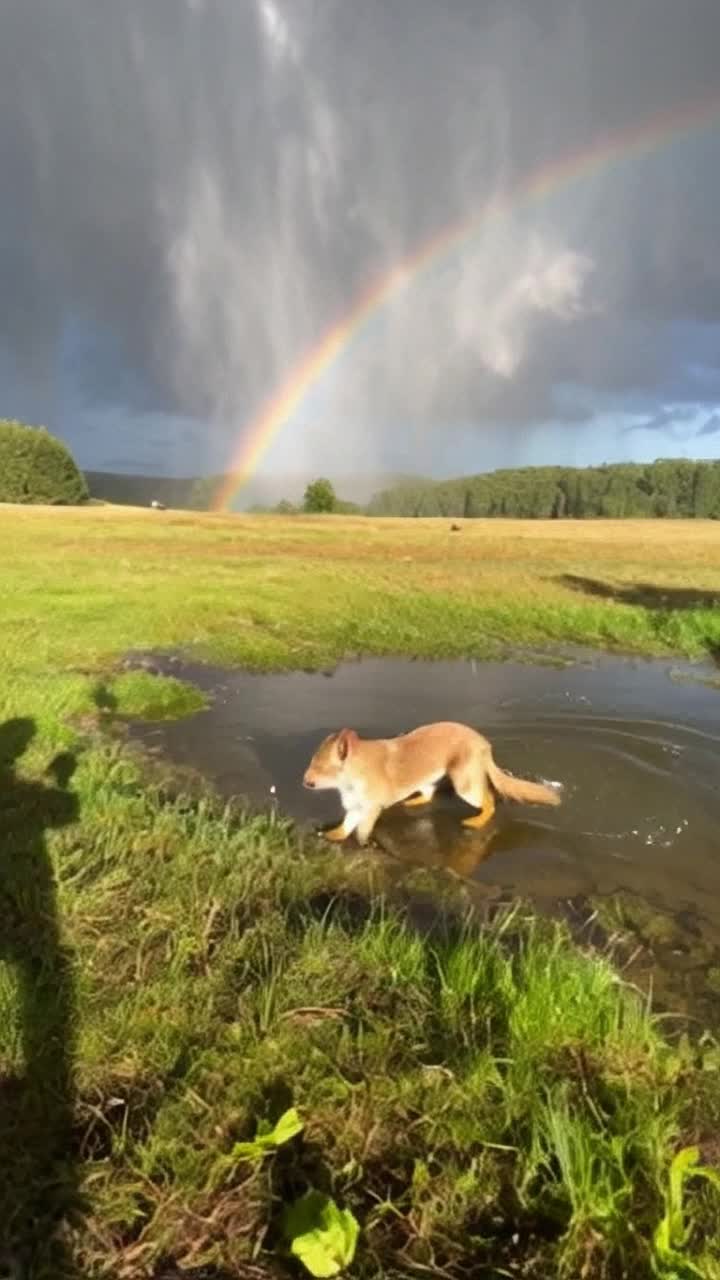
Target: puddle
636,749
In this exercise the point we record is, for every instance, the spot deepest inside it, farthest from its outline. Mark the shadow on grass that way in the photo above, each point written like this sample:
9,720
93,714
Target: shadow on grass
38,1176
645,594
104,699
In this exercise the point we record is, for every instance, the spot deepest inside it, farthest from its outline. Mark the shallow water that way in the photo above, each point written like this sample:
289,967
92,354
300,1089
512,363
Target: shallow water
636,748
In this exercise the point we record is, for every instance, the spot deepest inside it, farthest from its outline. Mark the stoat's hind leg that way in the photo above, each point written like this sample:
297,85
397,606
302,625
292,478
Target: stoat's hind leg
487,812
473,787
423,796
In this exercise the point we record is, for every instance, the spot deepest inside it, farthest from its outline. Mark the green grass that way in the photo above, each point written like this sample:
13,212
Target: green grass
458,1088
146,696
79,586
485,1099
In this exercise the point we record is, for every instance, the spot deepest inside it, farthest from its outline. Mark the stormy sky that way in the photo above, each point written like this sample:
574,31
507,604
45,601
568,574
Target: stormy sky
195,190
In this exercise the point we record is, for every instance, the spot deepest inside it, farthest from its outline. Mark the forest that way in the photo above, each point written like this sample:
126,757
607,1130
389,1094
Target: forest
678,487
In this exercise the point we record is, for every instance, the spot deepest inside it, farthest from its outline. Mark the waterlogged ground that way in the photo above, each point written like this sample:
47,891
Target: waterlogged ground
635,845
636,745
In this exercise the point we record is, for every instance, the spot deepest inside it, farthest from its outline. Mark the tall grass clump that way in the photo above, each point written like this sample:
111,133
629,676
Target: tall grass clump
478,1098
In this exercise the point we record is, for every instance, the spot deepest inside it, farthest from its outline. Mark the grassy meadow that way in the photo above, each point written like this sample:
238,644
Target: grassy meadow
225,1049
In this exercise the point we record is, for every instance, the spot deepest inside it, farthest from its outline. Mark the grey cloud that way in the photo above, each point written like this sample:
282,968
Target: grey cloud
195,191
668,416
711,426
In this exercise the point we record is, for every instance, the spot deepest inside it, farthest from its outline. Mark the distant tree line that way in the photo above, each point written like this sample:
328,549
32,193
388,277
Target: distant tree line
666,488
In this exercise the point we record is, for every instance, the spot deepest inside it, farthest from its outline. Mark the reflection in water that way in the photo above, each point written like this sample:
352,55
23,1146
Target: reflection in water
461,852
636,750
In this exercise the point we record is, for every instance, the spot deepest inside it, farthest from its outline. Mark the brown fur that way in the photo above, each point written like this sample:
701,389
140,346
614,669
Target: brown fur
372,774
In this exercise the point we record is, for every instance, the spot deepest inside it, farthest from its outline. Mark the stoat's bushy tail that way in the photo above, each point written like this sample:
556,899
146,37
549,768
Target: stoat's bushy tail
520,790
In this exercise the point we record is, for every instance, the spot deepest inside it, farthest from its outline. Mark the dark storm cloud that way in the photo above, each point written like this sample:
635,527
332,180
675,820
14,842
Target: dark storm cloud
194,189
666,418
711,427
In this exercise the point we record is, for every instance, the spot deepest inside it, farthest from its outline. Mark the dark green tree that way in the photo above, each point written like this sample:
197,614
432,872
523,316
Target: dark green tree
706,492
35,467
319,497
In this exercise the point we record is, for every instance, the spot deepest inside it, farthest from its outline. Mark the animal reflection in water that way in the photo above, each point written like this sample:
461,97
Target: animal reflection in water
436,843
375,774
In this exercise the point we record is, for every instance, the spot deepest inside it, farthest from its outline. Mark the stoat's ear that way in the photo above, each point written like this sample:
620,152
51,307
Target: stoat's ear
346,740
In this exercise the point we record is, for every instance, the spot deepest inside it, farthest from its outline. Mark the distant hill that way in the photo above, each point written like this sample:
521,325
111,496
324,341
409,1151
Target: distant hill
195,492
140,491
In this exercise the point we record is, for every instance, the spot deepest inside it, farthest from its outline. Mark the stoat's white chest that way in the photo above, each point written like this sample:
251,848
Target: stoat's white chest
352,794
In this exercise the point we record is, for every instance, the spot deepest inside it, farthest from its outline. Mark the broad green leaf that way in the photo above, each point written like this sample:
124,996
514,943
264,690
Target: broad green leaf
268,1137
288,1126
322,1236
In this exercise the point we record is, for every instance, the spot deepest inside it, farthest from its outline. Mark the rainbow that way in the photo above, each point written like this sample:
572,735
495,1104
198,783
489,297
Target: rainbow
572,167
